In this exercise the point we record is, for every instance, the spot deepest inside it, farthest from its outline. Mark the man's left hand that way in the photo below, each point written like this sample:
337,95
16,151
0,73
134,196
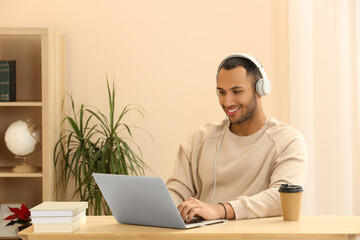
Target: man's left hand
193,207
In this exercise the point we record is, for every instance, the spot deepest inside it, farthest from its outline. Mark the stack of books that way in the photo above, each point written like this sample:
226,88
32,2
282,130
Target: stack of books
58,216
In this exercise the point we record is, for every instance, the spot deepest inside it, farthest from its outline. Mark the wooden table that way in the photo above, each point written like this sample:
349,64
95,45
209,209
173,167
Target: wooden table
308,227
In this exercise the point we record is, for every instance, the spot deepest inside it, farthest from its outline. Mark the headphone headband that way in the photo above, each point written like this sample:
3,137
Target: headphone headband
263,85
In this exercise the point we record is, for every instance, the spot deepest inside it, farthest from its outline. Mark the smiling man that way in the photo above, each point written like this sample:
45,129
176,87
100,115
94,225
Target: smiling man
233,169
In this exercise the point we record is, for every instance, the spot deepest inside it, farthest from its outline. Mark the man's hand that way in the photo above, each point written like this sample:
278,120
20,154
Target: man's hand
195,208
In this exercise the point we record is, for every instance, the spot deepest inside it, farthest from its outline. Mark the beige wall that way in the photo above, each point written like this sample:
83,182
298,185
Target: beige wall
163,55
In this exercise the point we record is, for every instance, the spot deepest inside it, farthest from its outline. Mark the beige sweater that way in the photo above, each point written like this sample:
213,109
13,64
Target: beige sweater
249,169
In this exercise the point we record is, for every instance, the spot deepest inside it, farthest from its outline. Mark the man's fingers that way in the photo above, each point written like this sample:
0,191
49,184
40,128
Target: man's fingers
186,211
195,208
192,214
182,210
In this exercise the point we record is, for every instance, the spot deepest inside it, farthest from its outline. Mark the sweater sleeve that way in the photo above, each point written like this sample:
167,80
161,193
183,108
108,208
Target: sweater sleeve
181,184
290,166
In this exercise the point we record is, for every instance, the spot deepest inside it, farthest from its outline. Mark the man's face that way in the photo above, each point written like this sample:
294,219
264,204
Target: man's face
236,94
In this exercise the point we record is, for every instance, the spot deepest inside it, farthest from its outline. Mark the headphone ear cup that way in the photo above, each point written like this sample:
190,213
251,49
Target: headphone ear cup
259,87
217,92
263,87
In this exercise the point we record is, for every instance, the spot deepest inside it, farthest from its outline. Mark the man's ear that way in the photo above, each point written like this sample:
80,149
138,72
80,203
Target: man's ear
258,97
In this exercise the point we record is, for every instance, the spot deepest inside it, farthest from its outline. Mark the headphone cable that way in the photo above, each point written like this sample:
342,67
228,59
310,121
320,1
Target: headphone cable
216,158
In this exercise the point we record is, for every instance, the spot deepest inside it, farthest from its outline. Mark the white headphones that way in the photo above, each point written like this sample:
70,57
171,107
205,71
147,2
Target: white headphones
263,85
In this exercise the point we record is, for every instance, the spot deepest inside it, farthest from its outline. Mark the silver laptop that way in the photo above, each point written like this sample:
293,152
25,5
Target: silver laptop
142,201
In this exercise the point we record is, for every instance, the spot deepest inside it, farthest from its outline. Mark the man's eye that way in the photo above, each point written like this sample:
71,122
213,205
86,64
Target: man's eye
237,92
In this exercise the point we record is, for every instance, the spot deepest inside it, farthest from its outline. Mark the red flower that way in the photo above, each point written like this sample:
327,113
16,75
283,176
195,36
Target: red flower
22,213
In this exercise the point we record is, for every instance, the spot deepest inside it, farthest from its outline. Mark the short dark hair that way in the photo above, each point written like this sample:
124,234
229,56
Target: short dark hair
250,67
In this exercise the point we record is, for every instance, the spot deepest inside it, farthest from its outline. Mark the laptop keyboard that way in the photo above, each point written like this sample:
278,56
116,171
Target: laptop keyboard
194,220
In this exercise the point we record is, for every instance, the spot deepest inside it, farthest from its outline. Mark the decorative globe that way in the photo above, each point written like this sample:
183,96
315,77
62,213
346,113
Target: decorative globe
23,139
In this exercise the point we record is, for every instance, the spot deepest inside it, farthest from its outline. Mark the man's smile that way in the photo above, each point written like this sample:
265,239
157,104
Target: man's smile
232,111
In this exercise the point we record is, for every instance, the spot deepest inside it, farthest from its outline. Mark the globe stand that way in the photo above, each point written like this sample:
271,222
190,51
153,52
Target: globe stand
25,167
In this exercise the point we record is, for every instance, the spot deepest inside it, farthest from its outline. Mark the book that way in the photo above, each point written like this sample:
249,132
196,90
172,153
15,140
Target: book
7,81
58,209
59,227
58,219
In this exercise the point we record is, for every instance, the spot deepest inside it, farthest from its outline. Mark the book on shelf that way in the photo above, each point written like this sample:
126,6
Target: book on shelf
7,80
60,227
58,209
55,219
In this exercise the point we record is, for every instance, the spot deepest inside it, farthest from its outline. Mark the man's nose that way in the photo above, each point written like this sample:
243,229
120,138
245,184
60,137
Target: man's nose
228,100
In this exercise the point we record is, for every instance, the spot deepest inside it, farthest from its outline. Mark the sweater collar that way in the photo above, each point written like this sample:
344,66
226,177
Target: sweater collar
251,137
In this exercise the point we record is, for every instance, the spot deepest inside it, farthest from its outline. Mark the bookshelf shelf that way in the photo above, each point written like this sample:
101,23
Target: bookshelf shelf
6,172
21,104
40,82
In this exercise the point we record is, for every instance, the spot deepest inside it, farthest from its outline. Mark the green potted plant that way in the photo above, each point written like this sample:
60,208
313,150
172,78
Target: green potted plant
95,143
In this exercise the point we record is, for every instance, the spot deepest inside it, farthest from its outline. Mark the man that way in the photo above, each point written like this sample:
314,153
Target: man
233,169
